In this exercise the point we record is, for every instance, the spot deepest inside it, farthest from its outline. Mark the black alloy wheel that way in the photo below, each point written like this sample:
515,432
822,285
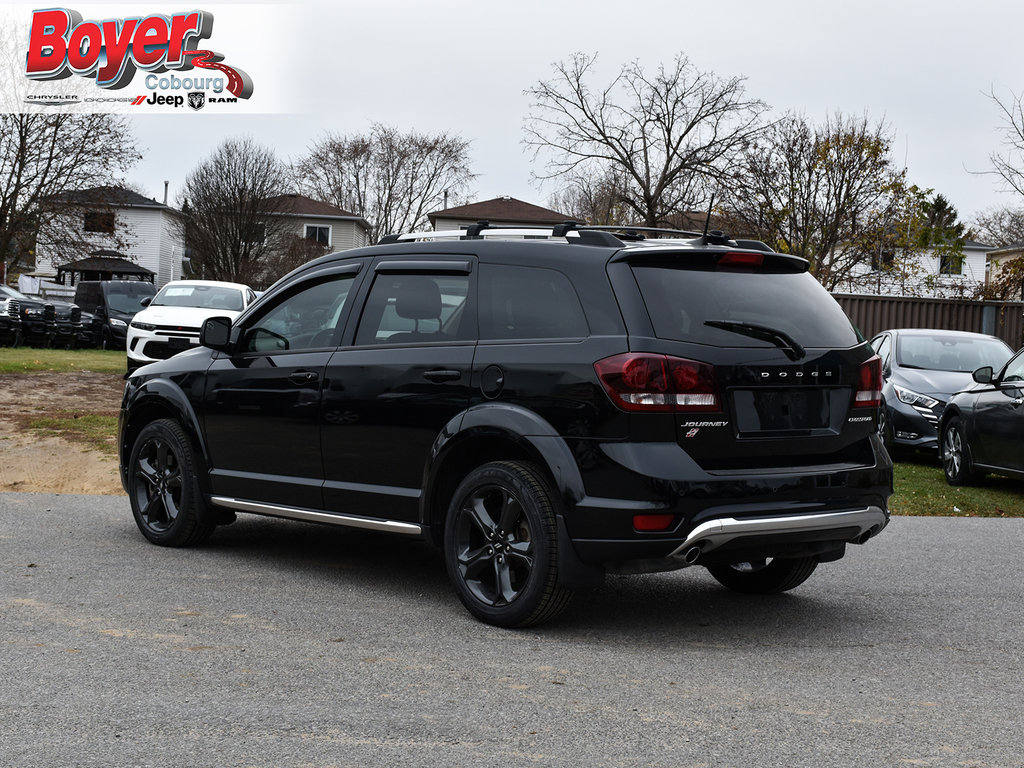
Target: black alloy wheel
500,546
764,577
166,501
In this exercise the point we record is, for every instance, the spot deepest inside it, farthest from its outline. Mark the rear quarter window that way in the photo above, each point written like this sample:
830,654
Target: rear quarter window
680,302
528,303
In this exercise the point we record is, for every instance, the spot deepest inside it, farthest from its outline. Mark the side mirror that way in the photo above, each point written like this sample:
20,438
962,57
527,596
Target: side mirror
216,333
144,301
983,375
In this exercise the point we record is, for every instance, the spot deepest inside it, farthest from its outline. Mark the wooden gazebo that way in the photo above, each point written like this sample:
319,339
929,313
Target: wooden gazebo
103,265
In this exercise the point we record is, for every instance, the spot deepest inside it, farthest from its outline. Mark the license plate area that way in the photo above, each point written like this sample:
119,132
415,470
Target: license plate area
178,343
805,411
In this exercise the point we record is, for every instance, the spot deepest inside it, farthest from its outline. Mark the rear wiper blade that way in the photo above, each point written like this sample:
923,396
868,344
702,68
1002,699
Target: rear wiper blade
779,338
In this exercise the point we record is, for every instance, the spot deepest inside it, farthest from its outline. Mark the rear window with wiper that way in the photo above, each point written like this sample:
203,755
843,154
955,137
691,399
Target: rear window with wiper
743,309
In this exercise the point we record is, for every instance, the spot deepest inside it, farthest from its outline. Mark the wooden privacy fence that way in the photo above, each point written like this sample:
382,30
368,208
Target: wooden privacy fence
872,314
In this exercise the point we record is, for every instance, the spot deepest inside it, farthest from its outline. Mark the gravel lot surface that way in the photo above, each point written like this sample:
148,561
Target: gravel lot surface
279,643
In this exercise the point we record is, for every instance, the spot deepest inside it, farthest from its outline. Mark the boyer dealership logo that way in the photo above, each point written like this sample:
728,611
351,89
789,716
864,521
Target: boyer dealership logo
112,51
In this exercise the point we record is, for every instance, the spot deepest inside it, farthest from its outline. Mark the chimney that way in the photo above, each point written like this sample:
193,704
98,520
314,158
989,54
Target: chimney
166,185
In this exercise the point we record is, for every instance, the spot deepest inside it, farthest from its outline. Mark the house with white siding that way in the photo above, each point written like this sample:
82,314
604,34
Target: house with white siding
334,228
112,219
929,274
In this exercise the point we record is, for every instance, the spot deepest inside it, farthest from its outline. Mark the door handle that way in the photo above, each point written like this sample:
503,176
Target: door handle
302,377
441,374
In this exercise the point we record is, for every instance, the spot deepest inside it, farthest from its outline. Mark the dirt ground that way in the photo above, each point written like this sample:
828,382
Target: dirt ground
31,463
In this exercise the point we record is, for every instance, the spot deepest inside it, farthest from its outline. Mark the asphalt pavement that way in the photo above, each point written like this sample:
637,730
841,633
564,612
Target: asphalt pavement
280,643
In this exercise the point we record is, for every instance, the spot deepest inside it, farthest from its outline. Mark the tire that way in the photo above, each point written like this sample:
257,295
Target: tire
106,340
767,577
163,487
956,462
885,426
501,546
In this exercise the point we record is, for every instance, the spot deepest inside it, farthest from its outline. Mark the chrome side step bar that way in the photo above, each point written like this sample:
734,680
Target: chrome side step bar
711,535
293,513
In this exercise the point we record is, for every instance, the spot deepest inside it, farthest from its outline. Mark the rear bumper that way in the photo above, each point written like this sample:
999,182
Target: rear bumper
730,532
725,516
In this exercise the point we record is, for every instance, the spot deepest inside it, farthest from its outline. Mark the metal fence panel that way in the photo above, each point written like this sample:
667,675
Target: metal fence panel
872,314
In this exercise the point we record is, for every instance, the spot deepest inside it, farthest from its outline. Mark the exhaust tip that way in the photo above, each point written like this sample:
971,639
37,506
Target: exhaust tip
691,555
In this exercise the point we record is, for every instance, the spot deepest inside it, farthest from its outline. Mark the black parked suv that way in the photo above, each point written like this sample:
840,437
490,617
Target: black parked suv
544,410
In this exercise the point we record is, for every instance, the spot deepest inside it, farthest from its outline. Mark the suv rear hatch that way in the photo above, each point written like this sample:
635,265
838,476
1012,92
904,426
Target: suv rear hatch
754,361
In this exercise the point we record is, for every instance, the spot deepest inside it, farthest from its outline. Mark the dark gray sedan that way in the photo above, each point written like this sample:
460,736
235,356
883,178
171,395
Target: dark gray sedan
983,428
921,369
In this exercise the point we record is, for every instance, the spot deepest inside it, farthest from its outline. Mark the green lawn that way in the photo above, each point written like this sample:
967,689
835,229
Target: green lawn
921,489
29,359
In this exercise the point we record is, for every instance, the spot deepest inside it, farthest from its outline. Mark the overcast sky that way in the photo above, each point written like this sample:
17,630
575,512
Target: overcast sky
460,66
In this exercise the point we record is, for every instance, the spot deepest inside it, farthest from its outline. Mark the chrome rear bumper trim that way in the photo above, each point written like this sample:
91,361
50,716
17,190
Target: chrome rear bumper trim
293,513
712,534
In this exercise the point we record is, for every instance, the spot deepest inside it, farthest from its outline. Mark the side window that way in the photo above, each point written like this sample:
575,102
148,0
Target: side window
528,303
308,319
1015,370
414,309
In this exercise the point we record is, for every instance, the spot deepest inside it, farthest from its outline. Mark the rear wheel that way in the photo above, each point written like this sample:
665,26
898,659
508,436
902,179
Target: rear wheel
501,546
764,577
163,487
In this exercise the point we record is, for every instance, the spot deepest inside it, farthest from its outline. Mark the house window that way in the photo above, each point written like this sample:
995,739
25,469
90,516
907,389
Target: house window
321,235
255,233
951,264
99,221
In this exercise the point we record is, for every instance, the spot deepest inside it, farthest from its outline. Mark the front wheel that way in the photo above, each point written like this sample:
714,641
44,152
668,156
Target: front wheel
764,577
955,459
163,487
501,545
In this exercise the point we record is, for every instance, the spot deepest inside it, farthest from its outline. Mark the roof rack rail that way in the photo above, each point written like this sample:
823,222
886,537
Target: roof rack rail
628,228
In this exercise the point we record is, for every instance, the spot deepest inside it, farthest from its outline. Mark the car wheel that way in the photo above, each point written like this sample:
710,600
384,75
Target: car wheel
955,461
885,426
501,546
106,340
764,577
163,487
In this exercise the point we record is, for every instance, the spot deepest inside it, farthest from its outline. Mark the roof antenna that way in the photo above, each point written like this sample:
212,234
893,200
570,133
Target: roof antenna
707,221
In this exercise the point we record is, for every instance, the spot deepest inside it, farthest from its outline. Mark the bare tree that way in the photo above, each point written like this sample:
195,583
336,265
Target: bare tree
596,199
830,193
1009,164
391,179
43,158
1000,227
669,136
231,205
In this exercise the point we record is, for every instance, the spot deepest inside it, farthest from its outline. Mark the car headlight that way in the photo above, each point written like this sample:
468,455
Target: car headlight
142,326
33,312
910,397
118,323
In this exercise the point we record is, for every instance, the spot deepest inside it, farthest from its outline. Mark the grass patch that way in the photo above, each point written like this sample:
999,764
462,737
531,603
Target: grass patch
96,430
29,360
921,489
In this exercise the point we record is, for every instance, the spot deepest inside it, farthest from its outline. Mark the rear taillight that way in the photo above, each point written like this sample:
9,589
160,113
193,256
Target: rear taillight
869,384
638,381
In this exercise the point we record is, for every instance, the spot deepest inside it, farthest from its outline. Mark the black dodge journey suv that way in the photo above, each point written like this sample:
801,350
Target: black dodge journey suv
546,406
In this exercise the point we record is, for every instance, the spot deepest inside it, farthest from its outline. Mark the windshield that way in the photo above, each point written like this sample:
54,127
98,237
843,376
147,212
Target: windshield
126,298
951,353
204,296
9,293
737,309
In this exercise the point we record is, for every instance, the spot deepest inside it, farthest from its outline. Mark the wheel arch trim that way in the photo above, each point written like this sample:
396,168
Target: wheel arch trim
518,426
